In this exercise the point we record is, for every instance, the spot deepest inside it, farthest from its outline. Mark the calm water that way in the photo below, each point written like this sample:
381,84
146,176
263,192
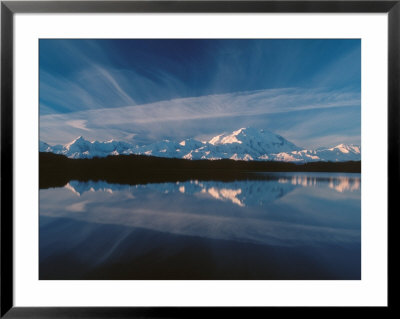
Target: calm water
291,226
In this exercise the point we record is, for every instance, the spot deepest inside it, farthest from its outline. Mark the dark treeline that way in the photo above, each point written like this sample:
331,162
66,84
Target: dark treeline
57,170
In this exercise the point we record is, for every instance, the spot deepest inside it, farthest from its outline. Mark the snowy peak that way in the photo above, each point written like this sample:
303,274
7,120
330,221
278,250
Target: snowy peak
190,144
346,148
341,152
248,144
44,147
228,138
78,144
249,135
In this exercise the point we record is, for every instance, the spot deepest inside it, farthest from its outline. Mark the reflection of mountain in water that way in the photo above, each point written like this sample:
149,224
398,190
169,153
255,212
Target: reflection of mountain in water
241,193
340,183
343,184
321,208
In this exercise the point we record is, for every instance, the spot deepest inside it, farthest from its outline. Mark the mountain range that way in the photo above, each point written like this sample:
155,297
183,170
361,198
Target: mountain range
243,144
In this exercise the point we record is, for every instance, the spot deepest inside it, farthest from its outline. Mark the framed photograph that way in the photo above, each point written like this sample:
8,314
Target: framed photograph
180,158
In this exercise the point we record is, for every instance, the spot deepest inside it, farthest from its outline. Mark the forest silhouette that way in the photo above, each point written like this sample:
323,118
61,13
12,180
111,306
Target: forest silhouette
57,170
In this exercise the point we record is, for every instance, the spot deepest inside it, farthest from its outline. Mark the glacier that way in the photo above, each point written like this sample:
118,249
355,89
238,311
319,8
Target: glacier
243,144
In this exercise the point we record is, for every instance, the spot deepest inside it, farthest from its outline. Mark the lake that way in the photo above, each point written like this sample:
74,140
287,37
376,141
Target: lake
286,226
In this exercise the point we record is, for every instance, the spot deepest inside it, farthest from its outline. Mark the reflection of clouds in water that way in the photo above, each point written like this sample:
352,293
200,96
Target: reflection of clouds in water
246,211
339,183
77,207
227,227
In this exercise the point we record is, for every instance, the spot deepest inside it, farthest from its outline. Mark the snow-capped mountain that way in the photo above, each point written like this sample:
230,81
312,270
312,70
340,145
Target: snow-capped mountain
243,144
339,153
81,148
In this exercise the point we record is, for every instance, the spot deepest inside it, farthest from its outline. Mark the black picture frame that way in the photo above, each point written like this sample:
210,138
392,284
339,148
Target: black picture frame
9,8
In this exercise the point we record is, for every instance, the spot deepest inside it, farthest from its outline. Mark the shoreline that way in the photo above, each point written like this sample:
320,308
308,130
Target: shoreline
57,170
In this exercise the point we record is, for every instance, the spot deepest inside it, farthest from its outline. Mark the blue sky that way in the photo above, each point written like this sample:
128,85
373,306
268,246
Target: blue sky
145,90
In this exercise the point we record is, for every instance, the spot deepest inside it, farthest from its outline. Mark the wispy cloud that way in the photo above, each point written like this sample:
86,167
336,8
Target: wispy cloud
79,124
107,75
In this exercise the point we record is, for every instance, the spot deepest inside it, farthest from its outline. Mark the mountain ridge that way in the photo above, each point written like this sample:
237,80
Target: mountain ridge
247,144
